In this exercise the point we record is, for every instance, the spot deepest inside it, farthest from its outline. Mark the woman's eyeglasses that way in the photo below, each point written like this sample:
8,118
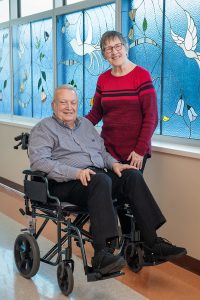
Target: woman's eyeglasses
117,47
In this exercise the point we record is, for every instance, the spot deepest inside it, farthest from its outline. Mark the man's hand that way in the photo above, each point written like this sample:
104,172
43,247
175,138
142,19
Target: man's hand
136,160
118,168
84,176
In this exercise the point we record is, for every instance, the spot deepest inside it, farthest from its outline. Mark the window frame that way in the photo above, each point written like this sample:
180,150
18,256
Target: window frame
53,13
172,145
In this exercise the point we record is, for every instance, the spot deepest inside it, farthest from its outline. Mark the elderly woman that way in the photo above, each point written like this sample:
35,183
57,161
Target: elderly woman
125,100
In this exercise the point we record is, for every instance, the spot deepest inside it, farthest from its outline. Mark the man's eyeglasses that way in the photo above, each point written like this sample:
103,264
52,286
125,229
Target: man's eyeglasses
117,47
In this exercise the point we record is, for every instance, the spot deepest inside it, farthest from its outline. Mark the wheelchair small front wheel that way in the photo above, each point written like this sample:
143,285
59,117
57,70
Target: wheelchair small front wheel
134,257
65,278
27,255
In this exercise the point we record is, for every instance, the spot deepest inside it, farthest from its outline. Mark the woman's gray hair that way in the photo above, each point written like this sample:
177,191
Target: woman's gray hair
64,87
111,35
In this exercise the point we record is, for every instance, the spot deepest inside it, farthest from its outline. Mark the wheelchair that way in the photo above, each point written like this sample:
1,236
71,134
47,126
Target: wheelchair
69,220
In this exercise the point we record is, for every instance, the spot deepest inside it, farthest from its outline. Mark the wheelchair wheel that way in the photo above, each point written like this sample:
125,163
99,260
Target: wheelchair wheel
27,255
65,278
134,257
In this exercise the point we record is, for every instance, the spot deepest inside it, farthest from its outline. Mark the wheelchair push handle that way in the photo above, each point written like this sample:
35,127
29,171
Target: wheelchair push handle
23,141
19,137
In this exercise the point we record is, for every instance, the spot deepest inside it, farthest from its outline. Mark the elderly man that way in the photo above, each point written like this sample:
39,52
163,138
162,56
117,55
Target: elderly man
69,149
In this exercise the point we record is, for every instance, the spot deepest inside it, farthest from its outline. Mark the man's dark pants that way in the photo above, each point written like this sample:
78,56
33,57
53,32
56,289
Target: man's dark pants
97,197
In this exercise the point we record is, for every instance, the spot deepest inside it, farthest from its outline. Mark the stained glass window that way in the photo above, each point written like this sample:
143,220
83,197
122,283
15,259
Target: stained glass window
42,67
33,68
163,37
5,96
79,60
181,75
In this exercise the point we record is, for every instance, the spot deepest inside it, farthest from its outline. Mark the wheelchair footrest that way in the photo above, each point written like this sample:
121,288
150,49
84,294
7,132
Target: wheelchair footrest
94,276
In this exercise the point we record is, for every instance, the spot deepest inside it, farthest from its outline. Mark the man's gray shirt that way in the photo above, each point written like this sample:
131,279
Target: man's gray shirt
61,152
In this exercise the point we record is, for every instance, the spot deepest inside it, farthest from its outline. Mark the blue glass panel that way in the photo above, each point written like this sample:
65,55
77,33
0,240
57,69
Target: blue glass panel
22,70
142,25
179,79
5,97
70,53
181,109
104,19
42,68
33,69
79,60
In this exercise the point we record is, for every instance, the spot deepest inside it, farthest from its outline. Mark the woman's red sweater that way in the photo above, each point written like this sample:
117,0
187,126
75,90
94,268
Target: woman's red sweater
127,106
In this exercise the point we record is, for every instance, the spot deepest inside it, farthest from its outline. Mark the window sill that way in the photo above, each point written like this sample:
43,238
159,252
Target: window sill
18,121
162,144
176,146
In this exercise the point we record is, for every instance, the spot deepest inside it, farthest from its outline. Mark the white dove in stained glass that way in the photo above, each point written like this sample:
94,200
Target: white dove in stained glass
81,47
189,43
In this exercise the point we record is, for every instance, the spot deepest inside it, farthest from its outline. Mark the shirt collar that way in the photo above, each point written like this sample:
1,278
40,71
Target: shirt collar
61,123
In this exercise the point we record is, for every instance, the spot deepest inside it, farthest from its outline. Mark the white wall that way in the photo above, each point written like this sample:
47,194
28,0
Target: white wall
12,162
173,180
175,183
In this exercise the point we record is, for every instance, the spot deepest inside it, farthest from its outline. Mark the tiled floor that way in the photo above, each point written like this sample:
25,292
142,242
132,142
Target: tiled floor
44,284
163,282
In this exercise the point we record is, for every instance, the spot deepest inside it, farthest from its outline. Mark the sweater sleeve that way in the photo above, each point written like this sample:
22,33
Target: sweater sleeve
148,102
96,113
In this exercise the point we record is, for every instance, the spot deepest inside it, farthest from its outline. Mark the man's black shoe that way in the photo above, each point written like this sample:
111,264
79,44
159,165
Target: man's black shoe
163,250
106,262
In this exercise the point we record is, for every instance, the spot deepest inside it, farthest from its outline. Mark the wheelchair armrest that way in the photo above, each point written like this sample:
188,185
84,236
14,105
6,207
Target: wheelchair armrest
35,173
36,186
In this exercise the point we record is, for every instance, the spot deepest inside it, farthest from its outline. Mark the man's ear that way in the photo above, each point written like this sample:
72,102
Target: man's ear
53,105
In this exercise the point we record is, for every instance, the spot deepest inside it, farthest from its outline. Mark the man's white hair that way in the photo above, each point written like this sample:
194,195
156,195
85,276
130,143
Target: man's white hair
64,87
